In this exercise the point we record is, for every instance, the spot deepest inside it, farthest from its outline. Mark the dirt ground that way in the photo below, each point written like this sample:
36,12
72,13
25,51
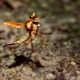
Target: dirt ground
56,58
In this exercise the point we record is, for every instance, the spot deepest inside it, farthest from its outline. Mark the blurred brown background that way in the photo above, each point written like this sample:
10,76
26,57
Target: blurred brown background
60,52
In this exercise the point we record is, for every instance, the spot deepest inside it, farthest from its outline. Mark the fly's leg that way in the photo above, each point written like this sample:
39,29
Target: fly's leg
17,42
43,38
31,46
26,48
10,43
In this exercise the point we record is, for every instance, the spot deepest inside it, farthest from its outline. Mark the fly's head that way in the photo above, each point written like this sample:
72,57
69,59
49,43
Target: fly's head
33,16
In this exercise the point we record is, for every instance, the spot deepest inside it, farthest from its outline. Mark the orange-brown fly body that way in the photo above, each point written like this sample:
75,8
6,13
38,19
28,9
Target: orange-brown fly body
31,25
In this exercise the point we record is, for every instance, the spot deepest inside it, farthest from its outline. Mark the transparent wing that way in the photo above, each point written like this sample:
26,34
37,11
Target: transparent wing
14,24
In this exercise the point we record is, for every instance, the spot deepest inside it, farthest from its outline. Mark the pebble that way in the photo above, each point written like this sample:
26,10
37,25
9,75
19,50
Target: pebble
50,76
13,70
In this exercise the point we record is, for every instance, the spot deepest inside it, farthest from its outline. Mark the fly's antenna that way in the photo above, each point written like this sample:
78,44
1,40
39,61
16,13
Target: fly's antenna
41,16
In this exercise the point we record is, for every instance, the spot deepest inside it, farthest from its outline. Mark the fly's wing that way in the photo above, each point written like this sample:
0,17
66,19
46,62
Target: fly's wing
14,24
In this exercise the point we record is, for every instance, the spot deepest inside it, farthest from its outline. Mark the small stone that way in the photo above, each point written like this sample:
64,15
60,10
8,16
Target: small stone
12,70
73,63
50,76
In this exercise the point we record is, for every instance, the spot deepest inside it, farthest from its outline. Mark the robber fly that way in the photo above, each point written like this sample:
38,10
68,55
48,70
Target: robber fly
31,25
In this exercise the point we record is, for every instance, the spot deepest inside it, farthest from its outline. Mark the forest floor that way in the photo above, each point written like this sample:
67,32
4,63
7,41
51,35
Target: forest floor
56,58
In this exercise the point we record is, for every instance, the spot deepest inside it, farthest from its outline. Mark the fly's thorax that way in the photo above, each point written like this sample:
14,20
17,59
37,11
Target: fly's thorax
32,25
29,25
36,24
35,27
